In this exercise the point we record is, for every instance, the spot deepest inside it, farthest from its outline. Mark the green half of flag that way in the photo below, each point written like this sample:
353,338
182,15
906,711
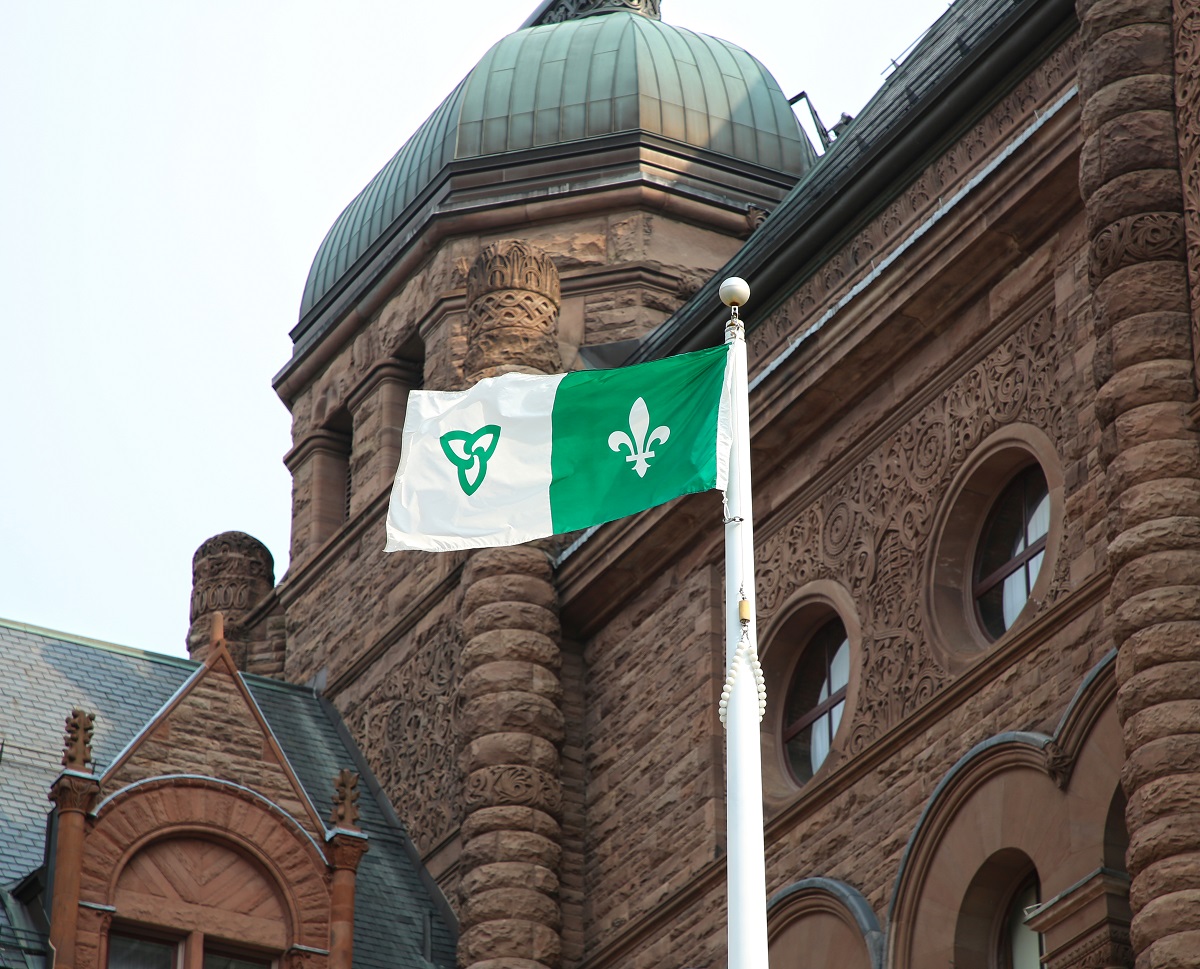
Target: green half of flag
521,457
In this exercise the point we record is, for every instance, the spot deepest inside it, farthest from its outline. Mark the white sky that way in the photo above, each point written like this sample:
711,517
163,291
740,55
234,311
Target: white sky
167,171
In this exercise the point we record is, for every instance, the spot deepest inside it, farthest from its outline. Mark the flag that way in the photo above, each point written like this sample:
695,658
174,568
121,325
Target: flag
520,456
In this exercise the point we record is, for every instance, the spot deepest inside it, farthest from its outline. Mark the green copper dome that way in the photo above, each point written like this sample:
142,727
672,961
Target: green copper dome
568,82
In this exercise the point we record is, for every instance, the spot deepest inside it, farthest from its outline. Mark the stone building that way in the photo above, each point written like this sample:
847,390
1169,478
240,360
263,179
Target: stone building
972,340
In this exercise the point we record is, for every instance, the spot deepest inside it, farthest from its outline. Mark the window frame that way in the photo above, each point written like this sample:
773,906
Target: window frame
823,709
981,585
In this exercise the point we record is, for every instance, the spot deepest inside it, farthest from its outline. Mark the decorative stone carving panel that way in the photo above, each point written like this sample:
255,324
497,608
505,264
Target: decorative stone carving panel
870,528
1186,30
407,726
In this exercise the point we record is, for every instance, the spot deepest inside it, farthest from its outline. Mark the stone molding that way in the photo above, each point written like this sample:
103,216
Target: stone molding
856,258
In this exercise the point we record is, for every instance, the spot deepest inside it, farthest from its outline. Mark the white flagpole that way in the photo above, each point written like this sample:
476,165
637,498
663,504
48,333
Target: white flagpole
743,700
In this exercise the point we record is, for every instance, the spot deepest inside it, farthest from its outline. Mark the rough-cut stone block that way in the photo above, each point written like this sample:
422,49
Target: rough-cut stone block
1142,92
1141,139
511,615
1166,915
522,846
1176,794
1142,190
1151,460
1168,642
510,903
510,675
1179,754
1142,288
1151,336
510,817
1174,873
1125,50
509,748
510,874
511,712
510,587
1174,567
520,560
1151,382
508,939
511,644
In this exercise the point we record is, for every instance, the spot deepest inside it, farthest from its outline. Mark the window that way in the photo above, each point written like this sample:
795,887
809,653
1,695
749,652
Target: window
1021,946
131,952
126,952
816,699
1011,552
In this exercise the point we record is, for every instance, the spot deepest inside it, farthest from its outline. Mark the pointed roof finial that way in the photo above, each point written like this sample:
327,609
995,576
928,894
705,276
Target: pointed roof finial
345,801
77,741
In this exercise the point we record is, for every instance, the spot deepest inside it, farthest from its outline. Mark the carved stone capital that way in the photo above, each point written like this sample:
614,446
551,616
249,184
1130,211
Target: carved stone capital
512,316
344,849
75,792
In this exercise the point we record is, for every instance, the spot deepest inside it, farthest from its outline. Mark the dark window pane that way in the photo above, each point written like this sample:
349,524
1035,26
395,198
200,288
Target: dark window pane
815,699
127,953
1011,551
213,960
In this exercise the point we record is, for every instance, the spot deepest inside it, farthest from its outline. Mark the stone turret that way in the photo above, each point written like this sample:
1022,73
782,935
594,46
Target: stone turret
231,573
512,722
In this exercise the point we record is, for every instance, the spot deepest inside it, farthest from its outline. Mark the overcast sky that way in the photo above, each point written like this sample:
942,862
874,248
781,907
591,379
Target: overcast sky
167,172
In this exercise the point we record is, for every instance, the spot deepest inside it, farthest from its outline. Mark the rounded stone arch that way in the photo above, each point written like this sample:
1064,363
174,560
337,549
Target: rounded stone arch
823,916
189,816
1045,801
783,639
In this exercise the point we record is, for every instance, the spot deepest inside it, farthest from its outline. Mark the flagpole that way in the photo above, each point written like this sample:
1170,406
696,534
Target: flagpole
743,699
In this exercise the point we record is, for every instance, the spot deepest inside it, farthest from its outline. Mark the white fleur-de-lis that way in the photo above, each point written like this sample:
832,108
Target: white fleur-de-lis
639,444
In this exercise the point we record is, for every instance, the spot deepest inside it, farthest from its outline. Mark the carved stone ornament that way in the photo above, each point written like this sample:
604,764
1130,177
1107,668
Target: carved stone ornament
1186,30
869,528
345,800
72,792
571,9
77,741
230,572
407,726
755,216
1106,947
512,311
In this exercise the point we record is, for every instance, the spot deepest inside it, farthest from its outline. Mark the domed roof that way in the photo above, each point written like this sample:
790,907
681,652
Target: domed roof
567,82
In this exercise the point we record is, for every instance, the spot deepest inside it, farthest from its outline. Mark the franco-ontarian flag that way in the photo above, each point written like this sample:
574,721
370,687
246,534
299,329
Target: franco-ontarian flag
520,457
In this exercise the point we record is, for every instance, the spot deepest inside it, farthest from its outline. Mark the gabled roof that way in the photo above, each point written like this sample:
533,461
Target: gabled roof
44,673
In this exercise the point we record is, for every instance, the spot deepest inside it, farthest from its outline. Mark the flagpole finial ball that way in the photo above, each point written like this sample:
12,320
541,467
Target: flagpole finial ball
735,291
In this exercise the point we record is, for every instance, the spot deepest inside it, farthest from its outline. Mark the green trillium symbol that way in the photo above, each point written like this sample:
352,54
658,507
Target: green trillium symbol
469,453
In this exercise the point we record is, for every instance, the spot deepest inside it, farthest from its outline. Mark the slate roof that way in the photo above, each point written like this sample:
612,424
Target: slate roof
400,917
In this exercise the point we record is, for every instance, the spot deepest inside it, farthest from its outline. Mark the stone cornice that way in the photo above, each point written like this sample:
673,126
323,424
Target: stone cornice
321,440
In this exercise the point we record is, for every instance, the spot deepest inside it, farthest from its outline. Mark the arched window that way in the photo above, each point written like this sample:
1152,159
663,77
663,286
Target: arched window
1011,551
1021,946
816,699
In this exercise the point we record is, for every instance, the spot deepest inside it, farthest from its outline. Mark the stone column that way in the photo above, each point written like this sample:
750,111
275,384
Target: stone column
344,849
512,722
231,573
74,794
1130,182
377,407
